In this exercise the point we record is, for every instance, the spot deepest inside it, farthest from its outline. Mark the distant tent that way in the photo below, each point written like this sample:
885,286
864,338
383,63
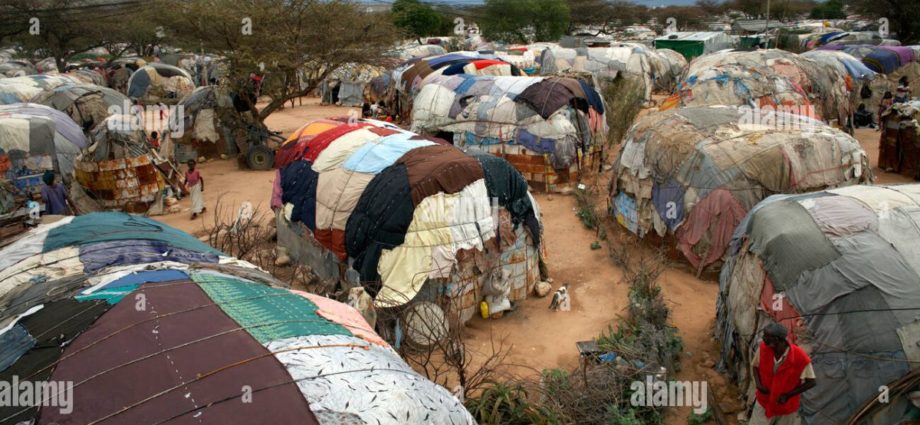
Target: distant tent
766,78
86,104
156,83
23,89
15,68
210,124
347,85
150,325
694,172
883,61
840,270
549,128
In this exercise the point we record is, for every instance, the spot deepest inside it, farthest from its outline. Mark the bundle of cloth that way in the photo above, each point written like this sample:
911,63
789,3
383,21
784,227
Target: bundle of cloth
147,324
659,69
694,172
410,77
401,209
839,269
766,78
554,116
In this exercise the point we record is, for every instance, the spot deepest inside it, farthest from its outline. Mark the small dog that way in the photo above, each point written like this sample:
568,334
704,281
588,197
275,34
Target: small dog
360,300
560,300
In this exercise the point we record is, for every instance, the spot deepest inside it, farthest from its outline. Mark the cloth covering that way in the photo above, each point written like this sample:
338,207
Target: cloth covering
434,169
849,281
109,226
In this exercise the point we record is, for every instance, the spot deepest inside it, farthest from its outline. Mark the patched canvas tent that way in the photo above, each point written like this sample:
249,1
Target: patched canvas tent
694,172
411,77
16,68
657,69
549,128
23,89
119,170
347,85
411,219
766,78
840,270
899,145
891,63
156,82
86,104
35,139
149,325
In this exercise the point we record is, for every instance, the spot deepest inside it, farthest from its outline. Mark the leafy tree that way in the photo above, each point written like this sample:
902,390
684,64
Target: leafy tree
416,18
522,20
903,16
63,28
831,9
296,44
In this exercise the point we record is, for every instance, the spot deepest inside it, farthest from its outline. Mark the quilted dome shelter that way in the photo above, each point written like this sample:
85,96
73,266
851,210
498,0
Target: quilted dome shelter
35,139
658,69
410,77
157,82
766,78
86,104
149,325
24,89
694,172
840,269
549,128
410,218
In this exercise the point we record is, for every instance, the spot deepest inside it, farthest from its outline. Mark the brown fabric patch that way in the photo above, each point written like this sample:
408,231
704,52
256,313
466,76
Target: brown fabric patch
126,383
439,168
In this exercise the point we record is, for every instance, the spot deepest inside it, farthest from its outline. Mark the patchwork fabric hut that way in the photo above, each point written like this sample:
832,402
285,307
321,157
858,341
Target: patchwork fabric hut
694,172
890,63
657,69
119,170
410,218
149,325
24,89
348,85
156,82
86,104
549,128
767,79
35,139
840,269
412,76
16,68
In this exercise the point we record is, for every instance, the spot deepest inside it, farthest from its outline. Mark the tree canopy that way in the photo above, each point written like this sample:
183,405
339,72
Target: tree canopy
521,21
417,19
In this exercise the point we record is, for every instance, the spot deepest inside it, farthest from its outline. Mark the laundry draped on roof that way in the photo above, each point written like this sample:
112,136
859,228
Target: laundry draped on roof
151,325
847,263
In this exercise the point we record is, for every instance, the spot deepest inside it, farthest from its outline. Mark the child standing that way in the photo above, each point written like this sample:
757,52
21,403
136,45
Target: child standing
194,184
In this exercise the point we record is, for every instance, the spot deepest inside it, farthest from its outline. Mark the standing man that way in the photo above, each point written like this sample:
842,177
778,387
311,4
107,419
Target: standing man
54,196
782,372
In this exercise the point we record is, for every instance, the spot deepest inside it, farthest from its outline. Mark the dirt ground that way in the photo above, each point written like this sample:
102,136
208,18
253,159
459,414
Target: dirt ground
540,338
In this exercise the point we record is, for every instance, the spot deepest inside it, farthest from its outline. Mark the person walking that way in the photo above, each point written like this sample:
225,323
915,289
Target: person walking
782,372
194,184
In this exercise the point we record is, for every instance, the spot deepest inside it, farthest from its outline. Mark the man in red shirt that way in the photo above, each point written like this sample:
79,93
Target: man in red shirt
782,372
